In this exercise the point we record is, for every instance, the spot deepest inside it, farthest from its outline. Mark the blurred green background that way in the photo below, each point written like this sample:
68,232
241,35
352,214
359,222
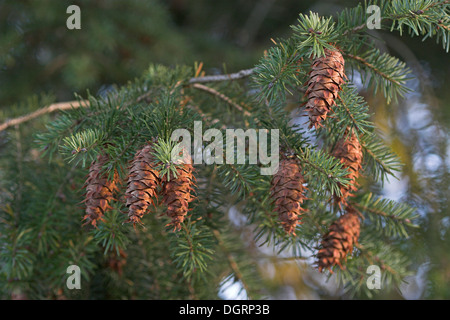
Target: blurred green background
41,60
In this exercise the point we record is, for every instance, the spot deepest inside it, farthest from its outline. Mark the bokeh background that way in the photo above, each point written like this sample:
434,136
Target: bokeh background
41,60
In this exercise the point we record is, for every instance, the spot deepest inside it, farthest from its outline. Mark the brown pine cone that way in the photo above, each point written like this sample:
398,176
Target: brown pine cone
99,191
142,183
349,151
325,80
287,192
343,234
177,194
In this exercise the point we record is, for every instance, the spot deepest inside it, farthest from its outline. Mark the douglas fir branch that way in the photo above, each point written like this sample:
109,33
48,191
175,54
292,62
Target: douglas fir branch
164,225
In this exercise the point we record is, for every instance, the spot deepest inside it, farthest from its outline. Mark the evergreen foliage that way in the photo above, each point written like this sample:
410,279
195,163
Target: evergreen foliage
41,229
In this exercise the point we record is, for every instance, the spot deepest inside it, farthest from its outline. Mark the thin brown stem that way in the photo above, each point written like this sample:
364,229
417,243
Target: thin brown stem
377,159
349,113
195,81
373,258
371,66
51,108
220,96
379,212
232,262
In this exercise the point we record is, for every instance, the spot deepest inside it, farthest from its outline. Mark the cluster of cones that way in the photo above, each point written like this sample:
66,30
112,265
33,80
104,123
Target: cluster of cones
143,187
287,187
343,234
288,194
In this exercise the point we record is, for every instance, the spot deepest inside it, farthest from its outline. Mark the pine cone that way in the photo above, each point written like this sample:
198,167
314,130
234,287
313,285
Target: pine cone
339,241
325,80
143,181
287,192
177,194
99,191
349,151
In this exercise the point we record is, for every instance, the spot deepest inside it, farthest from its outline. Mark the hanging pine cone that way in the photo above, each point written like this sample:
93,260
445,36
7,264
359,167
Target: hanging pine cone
339,241
177,194
349,151
325,80
287,192
142,183
99,191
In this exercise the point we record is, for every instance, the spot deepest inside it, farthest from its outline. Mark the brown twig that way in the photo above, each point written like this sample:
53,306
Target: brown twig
85,103
220,96
232,262
355,29
349,113
380,162
51,108
374,258
371,66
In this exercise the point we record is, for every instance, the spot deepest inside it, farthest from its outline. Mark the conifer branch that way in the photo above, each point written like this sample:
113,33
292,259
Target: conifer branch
372,258
156,104
84,103
372,67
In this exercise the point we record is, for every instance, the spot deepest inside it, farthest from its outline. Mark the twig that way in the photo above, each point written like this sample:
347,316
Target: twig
371,66
51,108
379,161
223,77
355,29
380,213
349,113
85,103
221,96
204,116
232,262
369,255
